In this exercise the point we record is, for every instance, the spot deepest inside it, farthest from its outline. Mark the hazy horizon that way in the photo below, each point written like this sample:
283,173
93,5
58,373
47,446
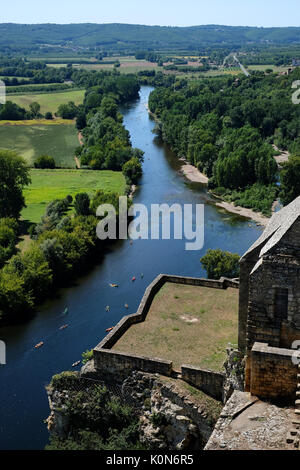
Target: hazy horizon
151,25
252,13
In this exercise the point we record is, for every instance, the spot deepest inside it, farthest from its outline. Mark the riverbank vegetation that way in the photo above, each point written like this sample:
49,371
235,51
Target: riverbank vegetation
64,242
225,127
218,263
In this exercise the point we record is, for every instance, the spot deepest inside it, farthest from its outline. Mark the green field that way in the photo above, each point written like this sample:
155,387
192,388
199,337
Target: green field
58,141
48,185
263,68
48,101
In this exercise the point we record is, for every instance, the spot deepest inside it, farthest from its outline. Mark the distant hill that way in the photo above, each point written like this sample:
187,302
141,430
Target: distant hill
125,36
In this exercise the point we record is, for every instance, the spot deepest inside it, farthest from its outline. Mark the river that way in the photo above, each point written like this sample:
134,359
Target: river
23,399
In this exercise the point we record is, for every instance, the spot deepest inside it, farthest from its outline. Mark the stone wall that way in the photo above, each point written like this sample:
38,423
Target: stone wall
118,362
246,266
264,325
211,383
121,364
273,373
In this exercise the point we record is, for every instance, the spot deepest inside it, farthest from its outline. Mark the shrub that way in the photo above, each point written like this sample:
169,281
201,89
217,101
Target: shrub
220,263
65,380
82,204
44,161
132,170
87,356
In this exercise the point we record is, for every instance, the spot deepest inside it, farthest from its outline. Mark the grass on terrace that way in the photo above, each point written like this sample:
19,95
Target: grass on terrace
188,325
48,185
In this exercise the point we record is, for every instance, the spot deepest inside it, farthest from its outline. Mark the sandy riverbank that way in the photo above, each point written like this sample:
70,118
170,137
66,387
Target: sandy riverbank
243,212
193,174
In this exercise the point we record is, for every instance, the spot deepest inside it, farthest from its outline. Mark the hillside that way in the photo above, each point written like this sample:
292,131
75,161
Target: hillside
125,36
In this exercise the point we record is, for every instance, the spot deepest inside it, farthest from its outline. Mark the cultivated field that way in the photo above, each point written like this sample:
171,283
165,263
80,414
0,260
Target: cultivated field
263,68
48,101
48,185
187,325
36,138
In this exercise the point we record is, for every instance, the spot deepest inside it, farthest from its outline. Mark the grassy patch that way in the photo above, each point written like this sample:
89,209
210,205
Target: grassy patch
188,325
48,101
35,139
38,122
263,68
54,184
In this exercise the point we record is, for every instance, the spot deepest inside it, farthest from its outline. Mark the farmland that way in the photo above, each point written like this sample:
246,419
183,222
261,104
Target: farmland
48,185
33,139
48,101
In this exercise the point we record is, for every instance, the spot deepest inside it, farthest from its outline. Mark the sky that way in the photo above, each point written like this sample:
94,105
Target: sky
155,12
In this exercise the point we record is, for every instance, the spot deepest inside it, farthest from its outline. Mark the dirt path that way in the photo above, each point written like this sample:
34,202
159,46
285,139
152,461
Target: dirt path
282,158
80,138
81,143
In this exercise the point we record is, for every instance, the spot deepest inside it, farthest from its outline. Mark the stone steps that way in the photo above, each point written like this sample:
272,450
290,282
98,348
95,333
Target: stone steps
293,437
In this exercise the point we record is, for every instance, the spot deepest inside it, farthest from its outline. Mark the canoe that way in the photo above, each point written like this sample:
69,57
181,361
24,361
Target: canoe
76,364
114,285
39,345
109,329
64,327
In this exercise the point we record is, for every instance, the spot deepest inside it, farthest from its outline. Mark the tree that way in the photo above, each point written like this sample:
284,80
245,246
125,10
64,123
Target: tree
45,161
82,204
218,263
14,175
67,111
35,109
12,112
132,170
49,115
290,180
8,239
81,120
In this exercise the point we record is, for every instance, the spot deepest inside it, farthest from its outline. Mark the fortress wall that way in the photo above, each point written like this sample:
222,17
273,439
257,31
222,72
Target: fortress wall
209,382
273,373
112,338
120,363
123,364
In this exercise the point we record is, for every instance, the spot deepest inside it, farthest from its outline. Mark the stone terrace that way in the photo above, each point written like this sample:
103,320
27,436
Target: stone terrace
186,324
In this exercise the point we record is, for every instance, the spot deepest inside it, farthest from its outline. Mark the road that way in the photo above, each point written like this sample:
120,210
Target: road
241,66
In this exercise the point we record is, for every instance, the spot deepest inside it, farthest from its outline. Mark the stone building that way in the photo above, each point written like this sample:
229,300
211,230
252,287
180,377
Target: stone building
269,310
